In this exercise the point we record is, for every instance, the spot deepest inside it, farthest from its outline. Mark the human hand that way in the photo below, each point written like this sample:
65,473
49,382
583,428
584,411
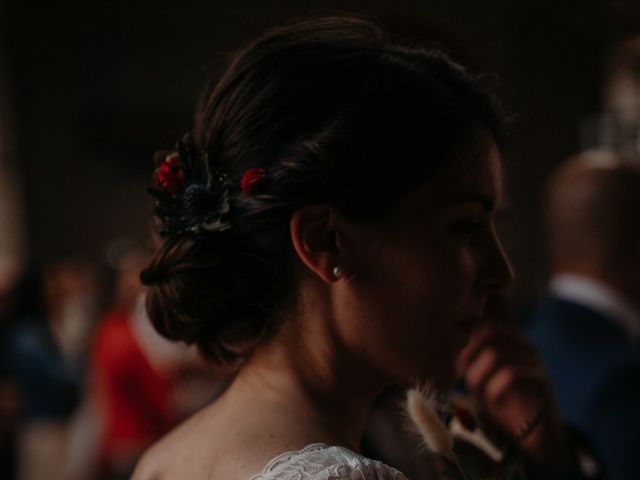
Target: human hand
505,374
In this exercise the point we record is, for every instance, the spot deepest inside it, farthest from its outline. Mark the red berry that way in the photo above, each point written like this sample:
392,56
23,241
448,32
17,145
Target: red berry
251,179
170,175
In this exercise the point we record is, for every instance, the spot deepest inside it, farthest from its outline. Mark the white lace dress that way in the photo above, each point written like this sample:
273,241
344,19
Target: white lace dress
319,461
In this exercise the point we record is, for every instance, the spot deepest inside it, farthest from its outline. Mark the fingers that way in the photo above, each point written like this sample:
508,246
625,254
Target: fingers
490,337
506,374
491,377
498,363
512,380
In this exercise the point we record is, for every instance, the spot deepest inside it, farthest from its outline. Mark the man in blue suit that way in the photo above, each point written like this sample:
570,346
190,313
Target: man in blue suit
588,327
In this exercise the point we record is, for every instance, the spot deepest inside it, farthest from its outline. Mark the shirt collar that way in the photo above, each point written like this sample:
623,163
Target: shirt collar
599,297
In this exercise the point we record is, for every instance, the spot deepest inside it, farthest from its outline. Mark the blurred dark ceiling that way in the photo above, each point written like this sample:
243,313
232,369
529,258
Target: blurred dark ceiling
96,88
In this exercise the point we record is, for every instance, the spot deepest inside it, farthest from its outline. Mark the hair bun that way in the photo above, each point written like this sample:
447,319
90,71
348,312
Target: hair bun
205,290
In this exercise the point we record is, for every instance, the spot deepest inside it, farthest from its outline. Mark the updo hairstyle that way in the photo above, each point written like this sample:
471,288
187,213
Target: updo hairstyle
333,113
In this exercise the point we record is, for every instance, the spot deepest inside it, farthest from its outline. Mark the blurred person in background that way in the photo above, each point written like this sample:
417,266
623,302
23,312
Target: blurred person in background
141,383
8,396
42,356
588,327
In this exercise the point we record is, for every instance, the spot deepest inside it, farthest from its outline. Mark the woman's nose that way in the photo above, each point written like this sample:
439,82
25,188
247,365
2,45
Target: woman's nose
496,271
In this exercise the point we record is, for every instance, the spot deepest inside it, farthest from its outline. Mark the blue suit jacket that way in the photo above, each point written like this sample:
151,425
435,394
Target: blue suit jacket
595,371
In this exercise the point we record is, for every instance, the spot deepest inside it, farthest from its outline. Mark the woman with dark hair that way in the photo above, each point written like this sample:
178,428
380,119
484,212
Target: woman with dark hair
328,231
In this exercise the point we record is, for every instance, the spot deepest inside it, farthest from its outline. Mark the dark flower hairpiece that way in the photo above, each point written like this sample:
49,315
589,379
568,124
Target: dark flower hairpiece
188,197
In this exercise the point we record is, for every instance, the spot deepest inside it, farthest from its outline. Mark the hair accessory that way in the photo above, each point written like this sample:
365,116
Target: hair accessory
169,175
188,197
252,179
336,271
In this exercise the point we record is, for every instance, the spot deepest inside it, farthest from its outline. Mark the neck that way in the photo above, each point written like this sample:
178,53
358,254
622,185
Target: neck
321,391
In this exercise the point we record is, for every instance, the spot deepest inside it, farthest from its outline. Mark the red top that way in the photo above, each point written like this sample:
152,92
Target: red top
134,398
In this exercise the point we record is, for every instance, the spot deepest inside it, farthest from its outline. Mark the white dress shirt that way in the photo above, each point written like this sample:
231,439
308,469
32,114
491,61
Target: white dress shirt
601,298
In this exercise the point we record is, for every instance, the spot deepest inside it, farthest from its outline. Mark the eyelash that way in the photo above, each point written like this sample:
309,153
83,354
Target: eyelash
466,229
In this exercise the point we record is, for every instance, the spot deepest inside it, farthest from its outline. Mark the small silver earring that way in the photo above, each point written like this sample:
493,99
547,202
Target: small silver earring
337,271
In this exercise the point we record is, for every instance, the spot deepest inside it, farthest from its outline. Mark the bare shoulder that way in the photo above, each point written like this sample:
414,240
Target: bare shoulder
148,467
233,438
179,454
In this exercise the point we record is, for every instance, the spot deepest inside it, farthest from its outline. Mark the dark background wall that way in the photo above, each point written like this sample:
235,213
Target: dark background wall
94,89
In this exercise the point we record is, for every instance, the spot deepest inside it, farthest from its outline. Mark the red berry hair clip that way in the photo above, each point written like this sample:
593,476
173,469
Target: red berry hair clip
252,180
190,198
169,175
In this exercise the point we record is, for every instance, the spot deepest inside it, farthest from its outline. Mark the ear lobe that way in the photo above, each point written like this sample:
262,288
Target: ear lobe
314,238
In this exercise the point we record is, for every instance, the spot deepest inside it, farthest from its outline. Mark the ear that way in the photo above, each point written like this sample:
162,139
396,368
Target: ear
314,234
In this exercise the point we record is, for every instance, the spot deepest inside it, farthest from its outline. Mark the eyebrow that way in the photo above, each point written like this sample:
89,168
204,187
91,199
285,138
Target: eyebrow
488,204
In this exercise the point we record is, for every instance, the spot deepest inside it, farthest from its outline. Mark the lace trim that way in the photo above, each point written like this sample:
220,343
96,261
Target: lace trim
286,456
333,469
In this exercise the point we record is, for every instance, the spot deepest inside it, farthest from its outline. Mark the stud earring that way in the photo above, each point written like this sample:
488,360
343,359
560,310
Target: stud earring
337,271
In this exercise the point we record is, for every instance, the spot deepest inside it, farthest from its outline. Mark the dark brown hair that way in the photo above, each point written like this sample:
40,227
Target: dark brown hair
334,113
